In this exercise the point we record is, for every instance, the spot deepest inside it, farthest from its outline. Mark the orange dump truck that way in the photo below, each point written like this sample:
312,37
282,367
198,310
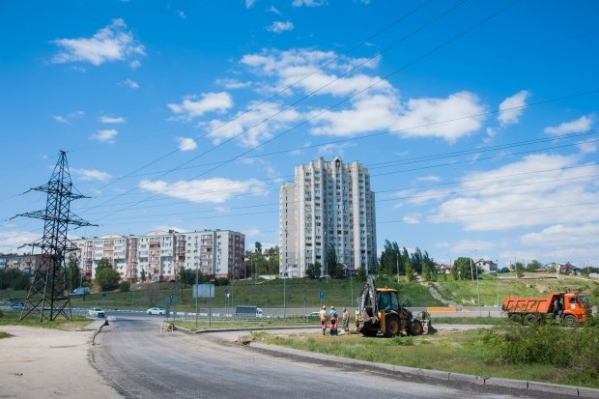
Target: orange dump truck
565,307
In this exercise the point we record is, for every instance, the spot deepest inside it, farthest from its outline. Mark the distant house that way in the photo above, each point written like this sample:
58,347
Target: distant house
487,266
569,268
443,268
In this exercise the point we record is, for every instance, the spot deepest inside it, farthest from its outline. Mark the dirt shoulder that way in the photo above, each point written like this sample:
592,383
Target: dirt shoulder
39,362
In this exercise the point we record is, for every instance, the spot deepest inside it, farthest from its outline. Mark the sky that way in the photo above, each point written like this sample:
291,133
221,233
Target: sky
477,120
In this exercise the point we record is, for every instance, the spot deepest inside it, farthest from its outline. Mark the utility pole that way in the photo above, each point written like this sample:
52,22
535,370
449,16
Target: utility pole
47,295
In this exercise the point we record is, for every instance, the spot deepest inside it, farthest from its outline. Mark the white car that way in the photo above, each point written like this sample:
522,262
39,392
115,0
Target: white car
155,311
96,312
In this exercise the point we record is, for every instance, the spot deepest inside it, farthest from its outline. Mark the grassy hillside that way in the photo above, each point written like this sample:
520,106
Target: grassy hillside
304,293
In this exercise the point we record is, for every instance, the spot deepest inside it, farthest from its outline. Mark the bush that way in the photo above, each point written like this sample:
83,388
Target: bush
546,344
125,286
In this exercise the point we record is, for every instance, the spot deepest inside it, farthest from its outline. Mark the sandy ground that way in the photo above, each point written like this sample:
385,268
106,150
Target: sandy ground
45,363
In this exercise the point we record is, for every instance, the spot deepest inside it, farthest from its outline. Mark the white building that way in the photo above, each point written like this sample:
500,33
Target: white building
328,204
160,255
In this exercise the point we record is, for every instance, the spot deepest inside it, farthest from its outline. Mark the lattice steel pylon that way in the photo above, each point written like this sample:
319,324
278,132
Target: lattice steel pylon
48,295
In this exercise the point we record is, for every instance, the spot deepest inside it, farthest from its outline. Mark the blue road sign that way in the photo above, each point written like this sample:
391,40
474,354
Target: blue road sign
321,295
226,291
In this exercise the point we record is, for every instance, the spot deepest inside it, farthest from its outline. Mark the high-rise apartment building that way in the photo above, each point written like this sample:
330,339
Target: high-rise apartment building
161,255
329,205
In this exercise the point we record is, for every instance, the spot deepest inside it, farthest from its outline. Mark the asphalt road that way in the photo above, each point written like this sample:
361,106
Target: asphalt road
140,362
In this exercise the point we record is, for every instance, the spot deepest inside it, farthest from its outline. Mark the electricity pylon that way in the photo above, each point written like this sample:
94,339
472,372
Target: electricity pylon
48,295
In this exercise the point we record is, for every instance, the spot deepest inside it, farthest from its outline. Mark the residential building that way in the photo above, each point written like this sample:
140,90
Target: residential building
26,263
329,205
486,266
160,255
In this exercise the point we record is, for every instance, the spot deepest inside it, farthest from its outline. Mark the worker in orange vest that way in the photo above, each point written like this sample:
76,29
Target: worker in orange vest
333,315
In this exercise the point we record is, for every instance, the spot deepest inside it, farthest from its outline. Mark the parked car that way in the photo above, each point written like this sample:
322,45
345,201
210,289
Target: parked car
18,306
314,314
155,311
96,312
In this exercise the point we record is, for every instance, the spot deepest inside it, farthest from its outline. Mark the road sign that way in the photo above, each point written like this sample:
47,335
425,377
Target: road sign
321,295
226,291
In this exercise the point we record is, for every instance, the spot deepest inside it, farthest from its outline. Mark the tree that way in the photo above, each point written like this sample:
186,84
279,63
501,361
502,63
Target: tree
106,277
462,268
533,266
73,274
313,270
143,275
330,261
258,247
188,276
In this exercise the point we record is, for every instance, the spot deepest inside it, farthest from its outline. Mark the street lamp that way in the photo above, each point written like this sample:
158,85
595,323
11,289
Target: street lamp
196,289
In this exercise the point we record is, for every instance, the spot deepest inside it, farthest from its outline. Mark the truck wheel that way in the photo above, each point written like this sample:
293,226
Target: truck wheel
530,319
392,326
516,318
415,328
570,321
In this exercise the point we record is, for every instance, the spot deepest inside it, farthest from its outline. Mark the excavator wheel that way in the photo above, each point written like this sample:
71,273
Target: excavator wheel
415,328
368,332
393,327
569,321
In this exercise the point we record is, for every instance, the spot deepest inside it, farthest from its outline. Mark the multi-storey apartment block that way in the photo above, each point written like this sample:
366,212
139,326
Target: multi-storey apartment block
329,205
160,255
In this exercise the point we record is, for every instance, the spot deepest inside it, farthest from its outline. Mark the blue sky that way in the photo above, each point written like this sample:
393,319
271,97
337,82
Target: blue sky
476,119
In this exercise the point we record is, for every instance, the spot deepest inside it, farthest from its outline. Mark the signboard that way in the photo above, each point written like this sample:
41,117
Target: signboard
321,295
226,291
203,290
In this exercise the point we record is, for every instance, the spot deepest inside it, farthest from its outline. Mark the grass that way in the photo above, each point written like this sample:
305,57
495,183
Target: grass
76,323
5,335
475,352
305,293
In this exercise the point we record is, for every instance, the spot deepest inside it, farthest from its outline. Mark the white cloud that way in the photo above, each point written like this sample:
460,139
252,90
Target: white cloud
112,43
371,104
232,84
429,178
187,144
280,27
511,109
587,147
88,175
336,149
250,3
105,136
565,241
216,190
131,84
308,3
411,219
10,241
450,118
181,14
66,119
110,119
253,126
531,192
468,247
581,124
192,107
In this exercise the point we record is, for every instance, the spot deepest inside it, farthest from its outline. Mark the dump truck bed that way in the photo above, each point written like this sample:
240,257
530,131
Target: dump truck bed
528,305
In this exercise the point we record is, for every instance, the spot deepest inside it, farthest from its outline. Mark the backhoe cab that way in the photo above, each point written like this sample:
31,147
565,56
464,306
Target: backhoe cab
379,310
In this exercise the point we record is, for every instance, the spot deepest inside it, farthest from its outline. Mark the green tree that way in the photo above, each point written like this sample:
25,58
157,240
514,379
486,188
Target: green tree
188,276
142,275
73,274
462,268
106,277
330,261
125,286
313,270
533,266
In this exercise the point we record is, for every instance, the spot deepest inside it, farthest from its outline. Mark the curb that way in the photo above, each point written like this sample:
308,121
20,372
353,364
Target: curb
442,375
